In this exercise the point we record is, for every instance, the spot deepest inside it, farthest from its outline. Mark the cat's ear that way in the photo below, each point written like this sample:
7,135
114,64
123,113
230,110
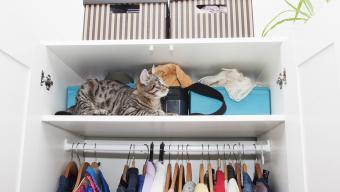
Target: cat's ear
144,77
153,69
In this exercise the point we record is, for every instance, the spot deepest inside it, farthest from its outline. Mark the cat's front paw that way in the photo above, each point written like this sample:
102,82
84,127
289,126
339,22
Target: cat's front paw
100,112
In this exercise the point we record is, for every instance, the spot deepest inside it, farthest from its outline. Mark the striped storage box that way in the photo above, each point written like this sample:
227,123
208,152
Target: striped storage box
211,18
124,19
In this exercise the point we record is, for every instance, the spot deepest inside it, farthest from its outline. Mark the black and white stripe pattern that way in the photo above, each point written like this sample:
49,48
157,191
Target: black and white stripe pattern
187,22
101,24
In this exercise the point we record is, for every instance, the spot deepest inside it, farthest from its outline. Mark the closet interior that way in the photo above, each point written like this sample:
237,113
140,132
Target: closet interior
108,139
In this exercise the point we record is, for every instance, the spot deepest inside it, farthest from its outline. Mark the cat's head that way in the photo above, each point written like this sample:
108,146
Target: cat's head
151,85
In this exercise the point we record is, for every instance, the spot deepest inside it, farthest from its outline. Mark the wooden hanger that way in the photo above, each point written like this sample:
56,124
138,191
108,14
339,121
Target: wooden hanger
175,176
201,174
180,179
71,169
258,170
145,166
237,168
95,165
176,171
168,174
244,166
181,175
82,169
189,168
126,166
211,182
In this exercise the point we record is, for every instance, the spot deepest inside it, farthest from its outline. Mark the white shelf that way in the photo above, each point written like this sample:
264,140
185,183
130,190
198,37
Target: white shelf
167,126
199,56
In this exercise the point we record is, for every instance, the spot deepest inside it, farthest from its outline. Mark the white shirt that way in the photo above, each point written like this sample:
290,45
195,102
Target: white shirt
159,180
232,186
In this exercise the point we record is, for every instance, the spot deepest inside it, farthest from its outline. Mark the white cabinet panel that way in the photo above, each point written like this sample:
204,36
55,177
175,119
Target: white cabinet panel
316,70
320,104
14,79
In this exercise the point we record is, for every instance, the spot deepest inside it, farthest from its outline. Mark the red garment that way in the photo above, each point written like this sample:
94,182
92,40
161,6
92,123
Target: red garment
219,186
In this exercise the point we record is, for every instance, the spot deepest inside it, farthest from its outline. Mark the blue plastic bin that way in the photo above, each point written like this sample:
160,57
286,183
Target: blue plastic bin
256,103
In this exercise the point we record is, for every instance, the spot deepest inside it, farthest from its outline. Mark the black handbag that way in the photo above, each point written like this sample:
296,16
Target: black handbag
177,100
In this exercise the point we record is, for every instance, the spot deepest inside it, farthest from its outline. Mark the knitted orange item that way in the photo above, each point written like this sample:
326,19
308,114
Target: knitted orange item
173,75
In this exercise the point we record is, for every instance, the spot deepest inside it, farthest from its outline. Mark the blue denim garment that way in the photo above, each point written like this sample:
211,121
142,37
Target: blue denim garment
64,185
247,183
140,183
132,175
105,186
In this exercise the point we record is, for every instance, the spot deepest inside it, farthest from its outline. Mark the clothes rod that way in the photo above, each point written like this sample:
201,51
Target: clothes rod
235,148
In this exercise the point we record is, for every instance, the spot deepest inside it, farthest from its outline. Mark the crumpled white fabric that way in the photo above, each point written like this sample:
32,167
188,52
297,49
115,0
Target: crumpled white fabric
237,85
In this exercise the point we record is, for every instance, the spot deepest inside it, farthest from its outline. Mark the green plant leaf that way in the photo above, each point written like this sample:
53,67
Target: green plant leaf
273,19
265,33
299,7
295,9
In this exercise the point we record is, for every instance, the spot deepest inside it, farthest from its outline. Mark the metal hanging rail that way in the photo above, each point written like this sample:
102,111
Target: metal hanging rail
228,147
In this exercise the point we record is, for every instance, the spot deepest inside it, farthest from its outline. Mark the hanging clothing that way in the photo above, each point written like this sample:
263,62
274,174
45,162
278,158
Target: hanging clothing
132,176
219,186
201,187
159,180
247,183
98,178
226,185
189,187
122,185
149,177
232,186
231,172
140,183
262,186
87,185
66,184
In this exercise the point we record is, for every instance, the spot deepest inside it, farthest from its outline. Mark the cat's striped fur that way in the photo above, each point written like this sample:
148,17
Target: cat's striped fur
114,98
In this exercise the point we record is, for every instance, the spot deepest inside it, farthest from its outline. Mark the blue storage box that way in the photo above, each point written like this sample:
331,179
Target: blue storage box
72,92
256,103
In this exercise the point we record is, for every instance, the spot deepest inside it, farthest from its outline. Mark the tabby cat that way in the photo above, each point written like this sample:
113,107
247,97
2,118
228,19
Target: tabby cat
108,97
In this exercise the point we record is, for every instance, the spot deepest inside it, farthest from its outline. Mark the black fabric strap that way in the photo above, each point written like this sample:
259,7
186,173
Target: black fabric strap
208,91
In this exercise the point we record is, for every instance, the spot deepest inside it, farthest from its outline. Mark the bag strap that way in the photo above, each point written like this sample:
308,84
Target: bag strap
208,91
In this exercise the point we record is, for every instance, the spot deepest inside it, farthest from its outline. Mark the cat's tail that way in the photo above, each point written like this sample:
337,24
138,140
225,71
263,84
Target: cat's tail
69,111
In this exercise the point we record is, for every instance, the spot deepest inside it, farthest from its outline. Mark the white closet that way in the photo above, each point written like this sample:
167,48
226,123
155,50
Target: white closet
302,131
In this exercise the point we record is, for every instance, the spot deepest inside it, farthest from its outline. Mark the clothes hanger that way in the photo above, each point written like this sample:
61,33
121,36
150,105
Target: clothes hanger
71,169
189,168
83,167
258,170
175,176
218,159
201,176
244,166
146,160
181,175
95,164
225,164
161,153
151,152
237,168
211,182
126,166
168,173
133,164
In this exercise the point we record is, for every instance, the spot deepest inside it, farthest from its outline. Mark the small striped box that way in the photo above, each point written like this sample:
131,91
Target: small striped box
211,18
124,19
